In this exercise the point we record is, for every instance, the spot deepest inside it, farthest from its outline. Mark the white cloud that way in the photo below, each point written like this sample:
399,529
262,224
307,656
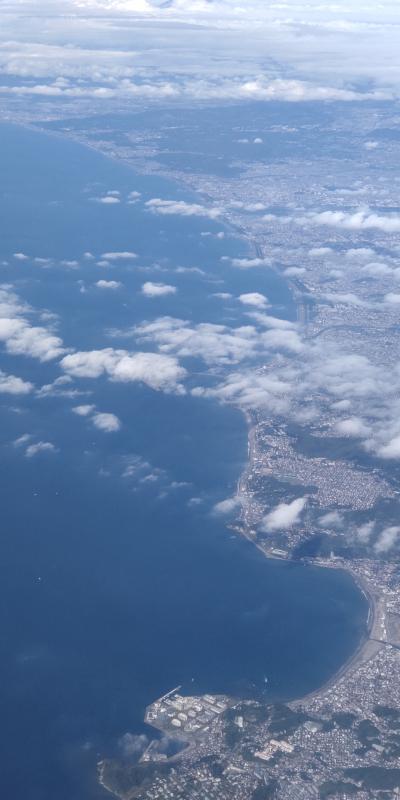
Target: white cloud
134,196
104,421
387,539
267,321
393,298
294,272
277,339
248,263
108,284
391,449
363,219
332,519
10,304
70,263
215,344
250,207
123,255
219,344
364,532
195,501
107,200
181,208
10,384
209,51
284,515
150,289
40,447
260,89
376,268
43,262
225,507
324,374
250,390
189,271
317,252
159,372
21,257
254,299
60,387
354,426
22,440
109,423
84,410
19,336
346,298
360,253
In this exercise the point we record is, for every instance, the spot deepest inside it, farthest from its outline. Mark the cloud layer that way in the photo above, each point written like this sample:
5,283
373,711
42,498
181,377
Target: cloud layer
284,515
159,372
211,51
17,333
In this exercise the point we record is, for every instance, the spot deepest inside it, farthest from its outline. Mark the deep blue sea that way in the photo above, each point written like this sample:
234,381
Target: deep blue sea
116,589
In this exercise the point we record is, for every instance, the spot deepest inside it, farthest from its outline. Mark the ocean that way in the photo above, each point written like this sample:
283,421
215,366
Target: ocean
117,581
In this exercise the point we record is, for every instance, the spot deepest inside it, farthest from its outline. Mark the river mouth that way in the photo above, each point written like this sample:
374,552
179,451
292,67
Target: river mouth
121,581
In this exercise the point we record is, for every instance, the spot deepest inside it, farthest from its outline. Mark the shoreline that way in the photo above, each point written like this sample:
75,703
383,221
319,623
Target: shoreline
356,658
242,528
360,654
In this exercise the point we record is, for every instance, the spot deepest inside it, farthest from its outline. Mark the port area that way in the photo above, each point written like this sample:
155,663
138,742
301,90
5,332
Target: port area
192,727
186,714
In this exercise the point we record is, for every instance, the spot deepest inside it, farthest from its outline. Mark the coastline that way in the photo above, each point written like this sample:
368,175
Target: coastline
361,652
355,659
360,593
